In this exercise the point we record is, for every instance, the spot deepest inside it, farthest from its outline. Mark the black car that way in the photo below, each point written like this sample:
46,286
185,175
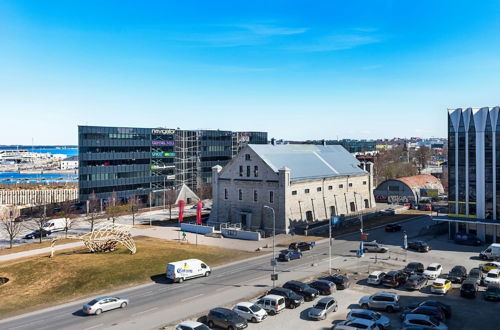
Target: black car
425,310
303,289
287,255
301,246
37,233
416,282
457,274
419,246
414,268
323,286
469,289
392,227
226,319
342,282
444,307
467,239
292,299
394,278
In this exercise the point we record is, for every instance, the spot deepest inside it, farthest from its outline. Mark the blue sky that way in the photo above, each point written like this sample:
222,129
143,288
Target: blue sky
297,69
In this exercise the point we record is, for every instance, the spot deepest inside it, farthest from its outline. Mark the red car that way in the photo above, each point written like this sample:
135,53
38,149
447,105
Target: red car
392,227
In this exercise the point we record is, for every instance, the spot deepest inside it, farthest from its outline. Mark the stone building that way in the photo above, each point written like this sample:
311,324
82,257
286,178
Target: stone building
301,183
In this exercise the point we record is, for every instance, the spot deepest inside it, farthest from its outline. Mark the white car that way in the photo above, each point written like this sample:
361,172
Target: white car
356,324
375,278
250,312
493,277
426,321
102,304
433,271
191,325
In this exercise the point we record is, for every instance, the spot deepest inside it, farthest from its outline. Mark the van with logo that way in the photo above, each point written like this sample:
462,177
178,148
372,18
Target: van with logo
180,271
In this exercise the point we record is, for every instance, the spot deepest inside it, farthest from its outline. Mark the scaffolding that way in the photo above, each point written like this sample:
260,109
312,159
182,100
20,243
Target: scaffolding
187,159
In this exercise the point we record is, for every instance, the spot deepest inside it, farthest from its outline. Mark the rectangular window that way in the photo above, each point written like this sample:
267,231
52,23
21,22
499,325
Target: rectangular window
271,197
248,171
306,191
240,194
330,187
225,193
294,192
341,186
318,189
255,195
364,183
247,157
241,170
350,184
255,171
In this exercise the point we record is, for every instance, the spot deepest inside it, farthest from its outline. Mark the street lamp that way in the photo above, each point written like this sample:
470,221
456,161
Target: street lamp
361,229
273,261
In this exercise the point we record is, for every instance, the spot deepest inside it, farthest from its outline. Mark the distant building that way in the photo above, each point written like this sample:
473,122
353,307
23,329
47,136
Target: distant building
301,183
410,189
69,163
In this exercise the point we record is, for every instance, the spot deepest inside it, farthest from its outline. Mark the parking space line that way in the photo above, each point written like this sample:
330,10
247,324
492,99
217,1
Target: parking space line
95,326
189,298
147,310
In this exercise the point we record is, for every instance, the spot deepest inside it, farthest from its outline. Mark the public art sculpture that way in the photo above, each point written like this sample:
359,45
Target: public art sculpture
104,238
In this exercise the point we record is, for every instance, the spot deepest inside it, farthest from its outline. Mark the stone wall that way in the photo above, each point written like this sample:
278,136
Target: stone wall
37,196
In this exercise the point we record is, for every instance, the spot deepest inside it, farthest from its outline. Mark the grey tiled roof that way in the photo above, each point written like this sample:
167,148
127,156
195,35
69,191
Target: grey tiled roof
308,161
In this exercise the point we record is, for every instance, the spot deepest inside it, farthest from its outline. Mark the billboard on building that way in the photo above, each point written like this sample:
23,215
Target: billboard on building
432,193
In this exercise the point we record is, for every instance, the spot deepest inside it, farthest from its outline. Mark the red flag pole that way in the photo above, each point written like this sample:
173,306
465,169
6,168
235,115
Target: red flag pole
198,217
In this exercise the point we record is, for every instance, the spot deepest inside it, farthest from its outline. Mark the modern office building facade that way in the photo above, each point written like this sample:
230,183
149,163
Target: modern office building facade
474,172
129,161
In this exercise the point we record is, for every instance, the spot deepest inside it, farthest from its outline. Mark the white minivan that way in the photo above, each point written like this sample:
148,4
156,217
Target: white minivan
185,269
54,225
491,253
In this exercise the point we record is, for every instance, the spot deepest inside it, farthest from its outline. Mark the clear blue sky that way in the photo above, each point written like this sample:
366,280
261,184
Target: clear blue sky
297,69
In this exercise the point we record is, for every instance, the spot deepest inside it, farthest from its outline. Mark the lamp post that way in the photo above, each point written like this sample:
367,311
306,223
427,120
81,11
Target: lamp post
150,203
273,261
361,229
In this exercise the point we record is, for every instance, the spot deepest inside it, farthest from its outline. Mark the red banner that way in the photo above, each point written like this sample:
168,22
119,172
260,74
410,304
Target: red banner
198,213
181,210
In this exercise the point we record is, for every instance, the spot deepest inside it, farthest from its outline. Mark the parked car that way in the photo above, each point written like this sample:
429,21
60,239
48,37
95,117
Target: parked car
492,292
37,233
467,239
416,282
374,247
444,307
272,304
21,218
489,266
250,311
476,274
191,325
301,246
433,271
225,318
323,286
321,309
491,253
392,227
493,277
457,274
287,255
414,268
383,322
303,289
387,301
424,321
469,288
342,282
103,304
435,312
394,278
195,206
356,324
292,299
419,246
441,285
375,278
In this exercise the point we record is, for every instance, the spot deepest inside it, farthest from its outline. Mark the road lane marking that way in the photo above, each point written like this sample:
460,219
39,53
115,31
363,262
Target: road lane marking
189,298
147,310
95,326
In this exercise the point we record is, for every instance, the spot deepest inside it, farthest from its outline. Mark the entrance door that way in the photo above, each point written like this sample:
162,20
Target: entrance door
246,220
243,220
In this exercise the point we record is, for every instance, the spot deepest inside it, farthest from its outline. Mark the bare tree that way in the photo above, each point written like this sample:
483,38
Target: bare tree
12,228
423,156
69,217
38,222
93,210
133,206
170,196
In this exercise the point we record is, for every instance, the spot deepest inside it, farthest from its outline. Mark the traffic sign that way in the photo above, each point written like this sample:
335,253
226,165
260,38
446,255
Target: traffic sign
274,277
274,262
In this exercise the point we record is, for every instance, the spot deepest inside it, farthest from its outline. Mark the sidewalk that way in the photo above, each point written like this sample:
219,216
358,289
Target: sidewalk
46,250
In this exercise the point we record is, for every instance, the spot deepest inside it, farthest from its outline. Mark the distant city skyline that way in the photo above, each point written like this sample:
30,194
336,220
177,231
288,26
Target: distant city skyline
298,70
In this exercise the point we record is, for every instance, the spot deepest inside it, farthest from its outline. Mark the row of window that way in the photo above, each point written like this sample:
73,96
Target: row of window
249,171
104,136
255,195
307,190
112,176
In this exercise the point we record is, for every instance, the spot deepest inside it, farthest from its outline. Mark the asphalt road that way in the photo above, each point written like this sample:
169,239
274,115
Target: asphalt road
156,304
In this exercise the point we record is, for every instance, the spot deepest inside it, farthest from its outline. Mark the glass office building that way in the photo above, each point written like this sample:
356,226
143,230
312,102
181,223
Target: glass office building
129,161
474,172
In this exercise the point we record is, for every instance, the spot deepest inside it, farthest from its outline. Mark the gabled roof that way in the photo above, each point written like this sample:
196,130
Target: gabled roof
309,161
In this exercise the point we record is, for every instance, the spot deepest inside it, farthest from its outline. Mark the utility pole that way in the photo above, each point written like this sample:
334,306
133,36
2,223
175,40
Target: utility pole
150,204
273,260
164,194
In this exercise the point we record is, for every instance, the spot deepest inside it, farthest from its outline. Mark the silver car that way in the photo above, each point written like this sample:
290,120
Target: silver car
374,246
322,308
103,304
382,321
387,301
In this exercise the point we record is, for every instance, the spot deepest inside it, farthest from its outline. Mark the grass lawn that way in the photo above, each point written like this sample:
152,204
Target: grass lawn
41,281
34,245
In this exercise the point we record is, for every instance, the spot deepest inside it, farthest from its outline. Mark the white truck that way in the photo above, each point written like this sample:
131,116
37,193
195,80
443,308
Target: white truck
185,269
55,225
491,253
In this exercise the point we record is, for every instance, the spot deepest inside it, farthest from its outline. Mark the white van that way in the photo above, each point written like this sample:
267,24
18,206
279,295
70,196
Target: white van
55,225
273,304
185,269
491,253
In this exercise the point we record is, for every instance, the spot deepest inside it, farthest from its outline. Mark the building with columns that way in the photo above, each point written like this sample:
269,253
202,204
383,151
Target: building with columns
474,172
301,183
